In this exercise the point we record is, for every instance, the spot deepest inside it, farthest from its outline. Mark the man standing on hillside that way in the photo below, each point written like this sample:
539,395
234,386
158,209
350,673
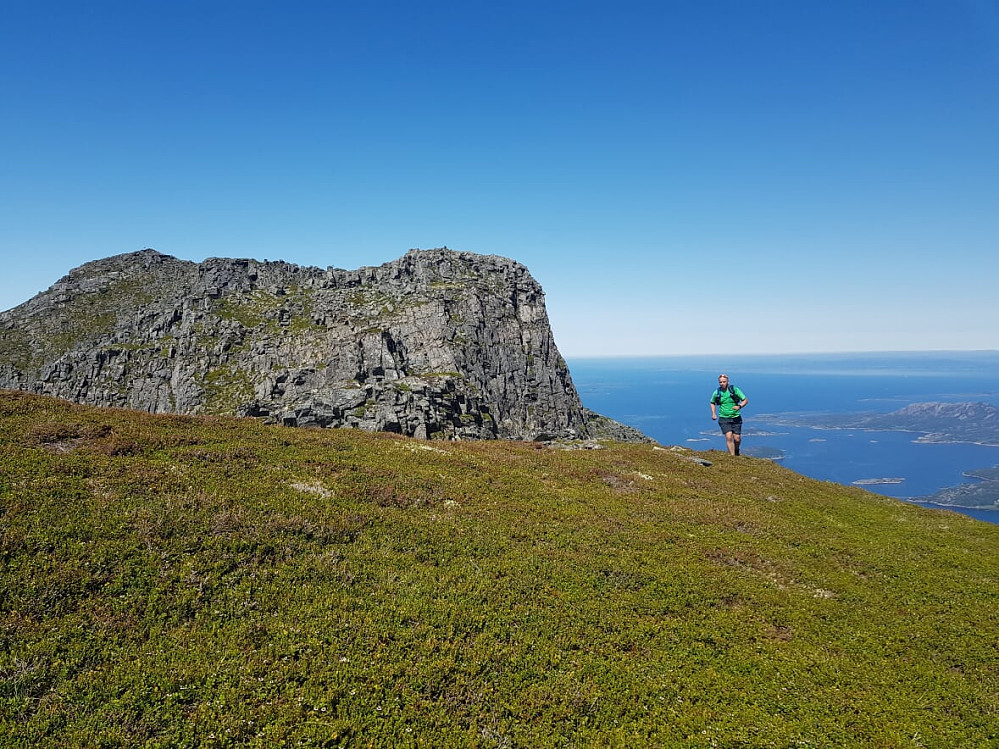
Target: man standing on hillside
726,406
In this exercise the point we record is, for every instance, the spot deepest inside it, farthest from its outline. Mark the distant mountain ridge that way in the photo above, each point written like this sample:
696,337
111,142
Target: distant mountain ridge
938,422
944,422
436,344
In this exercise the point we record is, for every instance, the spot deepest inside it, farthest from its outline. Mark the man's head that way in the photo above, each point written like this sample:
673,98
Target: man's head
723,381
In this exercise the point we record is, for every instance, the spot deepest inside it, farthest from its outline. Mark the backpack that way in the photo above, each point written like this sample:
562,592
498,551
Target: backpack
736,395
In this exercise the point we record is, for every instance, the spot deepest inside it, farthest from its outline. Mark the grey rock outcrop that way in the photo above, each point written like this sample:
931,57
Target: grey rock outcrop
436,344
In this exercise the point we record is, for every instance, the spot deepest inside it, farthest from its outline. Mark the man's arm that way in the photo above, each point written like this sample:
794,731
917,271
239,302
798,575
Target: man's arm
714,411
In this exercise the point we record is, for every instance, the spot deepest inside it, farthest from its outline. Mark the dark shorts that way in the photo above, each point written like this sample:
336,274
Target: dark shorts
730,425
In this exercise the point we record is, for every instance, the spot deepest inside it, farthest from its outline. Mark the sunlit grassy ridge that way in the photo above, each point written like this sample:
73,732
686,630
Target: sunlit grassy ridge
173,581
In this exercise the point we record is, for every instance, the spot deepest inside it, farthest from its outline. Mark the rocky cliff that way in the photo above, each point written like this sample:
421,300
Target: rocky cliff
436,344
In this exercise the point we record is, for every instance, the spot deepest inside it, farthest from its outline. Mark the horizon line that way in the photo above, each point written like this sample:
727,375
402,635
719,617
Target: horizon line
845,352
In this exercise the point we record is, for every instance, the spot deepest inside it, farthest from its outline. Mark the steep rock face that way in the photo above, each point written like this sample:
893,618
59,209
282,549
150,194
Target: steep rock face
437,344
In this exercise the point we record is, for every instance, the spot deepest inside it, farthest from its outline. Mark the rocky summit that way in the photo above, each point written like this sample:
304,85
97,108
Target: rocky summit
437,344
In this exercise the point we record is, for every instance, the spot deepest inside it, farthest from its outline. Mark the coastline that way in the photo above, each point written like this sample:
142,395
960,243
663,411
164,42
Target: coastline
925,438
984,515
666,397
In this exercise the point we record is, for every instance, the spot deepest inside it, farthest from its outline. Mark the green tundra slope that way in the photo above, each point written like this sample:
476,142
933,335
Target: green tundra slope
181,581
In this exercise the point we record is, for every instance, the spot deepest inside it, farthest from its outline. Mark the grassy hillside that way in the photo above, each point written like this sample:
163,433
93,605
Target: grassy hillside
173,581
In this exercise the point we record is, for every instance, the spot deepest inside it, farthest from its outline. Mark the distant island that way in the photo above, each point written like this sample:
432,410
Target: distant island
936,422
983,494
985,474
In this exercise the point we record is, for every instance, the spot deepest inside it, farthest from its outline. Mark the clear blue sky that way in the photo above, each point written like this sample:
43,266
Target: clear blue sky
681,177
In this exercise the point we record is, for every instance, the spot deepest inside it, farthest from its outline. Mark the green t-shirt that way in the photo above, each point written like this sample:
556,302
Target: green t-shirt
726,400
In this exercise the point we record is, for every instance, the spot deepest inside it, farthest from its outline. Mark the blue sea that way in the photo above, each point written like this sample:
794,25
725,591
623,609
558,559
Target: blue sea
667,399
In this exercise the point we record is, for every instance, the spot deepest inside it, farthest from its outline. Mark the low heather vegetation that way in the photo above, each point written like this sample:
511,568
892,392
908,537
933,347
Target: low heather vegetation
180,581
